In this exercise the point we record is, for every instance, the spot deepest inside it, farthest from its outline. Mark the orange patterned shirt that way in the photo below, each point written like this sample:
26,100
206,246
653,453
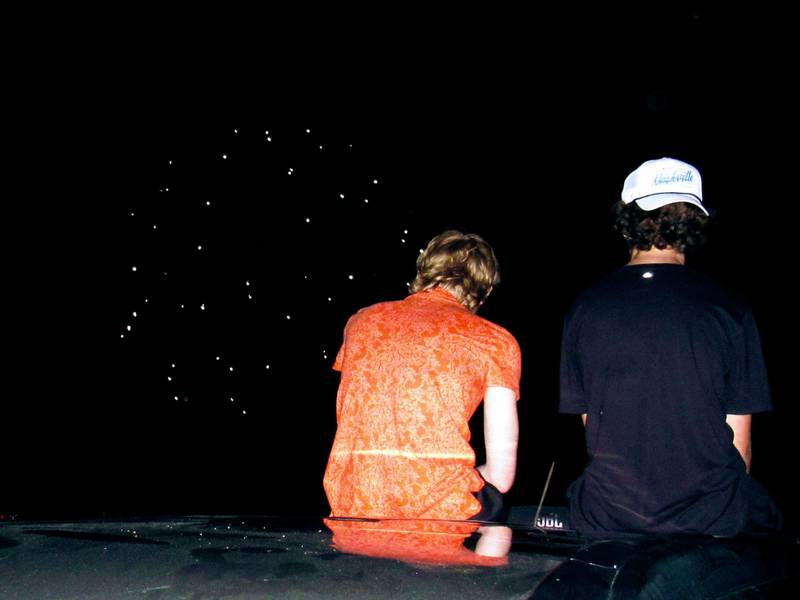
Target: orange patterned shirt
413,373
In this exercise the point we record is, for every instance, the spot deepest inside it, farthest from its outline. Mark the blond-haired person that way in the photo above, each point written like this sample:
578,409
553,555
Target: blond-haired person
413,372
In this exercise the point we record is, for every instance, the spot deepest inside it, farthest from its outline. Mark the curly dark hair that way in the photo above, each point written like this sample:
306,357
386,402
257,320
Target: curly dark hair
679,225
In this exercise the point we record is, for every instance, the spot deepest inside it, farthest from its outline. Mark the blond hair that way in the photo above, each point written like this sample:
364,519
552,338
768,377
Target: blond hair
462,263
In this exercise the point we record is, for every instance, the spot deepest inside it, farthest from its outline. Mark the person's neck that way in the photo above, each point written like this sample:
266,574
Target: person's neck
656,256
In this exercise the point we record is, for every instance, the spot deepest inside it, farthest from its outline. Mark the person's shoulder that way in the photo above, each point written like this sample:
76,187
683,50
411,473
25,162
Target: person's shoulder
379,306
702,278
712,291
373,310
487,327
605,285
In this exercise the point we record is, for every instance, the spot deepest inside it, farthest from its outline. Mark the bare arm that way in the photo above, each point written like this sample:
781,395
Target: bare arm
501,433
741,436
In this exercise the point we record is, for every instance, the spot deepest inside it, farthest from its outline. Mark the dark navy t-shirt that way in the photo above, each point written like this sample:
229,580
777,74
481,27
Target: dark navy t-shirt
657,356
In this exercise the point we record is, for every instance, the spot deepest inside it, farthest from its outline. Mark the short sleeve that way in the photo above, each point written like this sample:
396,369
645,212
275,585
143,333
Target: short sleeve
339,361
571,397
505,364
337,364
747,383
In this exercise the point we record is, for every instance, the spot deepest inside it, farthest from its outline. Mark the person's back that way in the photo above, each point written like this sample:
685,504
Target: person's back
665,459
666,367
413,373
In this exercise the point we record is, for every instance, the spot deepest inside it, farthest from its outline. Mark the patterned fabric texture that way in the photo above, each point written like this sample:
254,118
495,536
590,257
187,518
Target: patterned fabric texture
413,373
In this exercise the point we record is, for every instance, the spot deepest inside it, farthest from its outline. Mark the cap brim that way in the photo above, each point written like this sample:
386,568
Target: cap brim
658,200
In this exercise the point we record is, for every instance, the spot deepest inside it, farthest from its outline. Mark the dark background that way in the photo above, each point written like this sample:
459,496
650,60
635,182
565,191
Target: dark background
508,129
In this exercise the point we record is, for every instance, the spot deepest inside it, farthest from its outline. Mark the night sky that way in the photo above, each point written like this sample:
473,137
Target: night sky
176,354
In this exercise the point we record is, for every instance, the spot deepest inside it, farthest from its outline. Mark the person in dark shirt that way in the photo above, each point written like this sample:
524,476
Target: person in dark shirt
665,367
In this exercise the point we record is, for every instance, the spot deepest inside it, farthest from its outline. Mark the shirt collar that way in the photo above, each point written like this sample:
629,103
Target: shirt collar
439,294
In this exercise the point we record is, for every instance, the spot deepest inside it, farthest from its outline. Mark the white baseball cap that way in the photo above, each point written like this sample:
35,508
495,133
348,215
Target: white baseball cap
656,183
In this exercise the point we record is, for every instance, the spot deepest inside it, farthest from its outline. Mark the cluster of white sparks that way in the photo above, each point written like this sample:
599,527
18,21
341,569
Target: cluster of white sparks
247,287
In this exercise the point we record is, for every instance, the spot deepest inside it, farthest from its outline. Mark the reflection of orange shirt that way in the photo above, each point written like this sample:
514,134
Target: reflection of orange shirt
413,373
431,542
